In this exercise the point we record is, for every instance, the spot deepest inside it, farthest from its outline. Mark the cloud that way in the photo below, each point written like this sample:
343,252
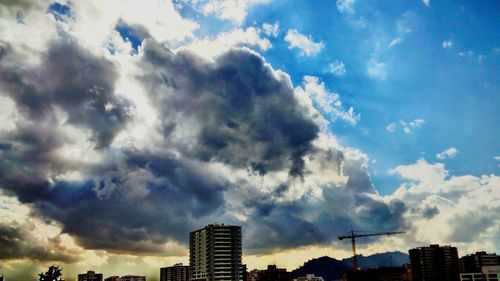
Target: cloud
75,81
345,6
407,127
391,127
212,47
448,153
304,43
376,69
449,209
244,113
337,68
395,42
426,2
447,44
271,29
329,104
235,11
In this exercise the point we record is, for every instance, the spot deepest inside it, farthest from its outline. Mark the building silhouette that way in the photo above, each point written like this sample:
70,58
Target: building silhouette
215,253
273,273
434,263
90,276
379,274
178,272
310,277
473,263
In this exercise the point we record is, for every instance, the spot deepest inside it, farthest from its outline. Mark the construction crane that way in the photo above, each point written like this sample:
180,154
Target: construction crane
355,234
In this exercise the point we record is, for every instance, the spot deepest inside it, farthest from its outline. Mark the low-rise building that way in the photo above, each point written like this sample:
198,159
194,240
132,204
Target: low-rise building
177,272
310,277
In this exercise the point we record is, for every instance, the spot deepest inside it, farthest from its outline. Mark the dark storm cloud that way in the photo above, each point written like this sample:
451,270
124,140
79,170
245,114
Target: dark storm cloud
72,79
17,242
430,212
241,113
172,198
312,221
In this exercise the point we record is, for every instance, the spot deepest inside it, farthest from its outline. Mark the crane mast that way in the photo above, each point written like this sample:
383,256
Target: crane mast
355,234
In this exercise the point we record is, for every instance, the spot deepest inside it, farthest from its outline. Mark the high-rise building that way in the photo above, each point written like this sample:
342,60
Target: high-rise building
473,263
215,253
90,276
434,263
178,272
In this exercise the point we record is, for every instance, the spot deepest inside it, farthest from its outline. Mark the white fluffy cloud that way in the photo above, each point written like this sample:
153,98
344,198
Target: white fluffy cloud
305,44
426,2
461,210
233,10
337,68
448,153
211,47
271,29
314,92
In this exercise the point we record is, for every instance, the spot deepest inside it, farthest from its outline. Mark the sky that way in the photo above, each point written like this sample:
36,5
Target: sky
124,125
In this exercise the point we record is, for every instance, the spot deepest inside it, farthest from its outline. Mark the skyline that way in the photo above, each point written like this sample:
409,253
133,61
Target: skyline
126,125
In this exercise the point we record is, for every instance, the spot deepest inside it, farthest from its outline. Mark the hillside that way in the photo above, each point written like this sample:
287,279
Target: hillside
330,268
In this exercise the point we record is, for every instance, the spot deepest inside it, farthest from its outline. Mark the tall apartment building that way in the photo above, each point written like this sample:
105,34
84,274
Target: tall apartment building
178,272
90,276
434,263
215,253
473,263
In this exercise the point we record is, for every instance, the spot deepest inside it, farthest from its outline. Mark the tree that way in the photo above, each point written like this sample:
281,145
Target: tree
53,274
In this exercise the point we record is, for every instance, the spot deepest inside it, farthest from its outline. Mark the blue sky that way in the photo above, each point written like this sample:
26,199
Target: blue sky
454,88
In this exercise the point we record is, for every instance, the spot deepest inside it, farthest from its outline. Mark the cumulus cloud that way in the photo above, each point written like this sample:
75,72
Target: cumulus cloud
448,153
235,11
19,241
449,209
304,43
337,68
314,92
212,47
271,29
426,2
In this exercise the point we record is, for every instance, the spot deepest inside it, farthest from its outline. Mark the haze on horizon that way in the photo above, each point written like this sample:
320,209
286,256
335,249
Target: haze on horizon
124,125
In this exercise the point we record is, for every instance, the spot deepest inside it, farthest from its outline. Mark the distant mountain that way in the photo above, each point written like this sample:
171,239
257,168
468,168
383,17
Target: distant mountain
326,267
331,269
378,260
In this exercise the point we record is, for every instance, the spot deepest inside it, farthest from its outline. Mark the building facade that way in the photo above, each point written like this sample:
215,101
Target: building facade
215,253
473,263
90,276
133,278
488,273
178,272
434,263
